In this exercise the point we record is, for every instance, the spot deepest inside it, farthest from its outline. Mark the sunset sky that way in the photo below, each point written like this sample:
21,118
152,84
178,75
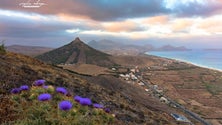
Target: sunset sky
193,23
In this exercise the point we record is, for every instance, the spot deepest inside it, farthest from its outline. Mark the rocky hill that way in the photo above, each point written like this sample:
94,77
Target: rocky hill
76,52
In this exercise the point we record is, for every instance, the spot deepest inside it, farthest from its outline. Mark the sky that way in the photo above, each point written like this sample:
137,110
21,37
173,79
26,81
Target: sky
192,23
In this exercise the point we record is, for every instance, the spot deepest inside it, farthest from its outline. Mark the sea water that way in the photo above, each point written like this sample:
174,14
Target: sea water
203,58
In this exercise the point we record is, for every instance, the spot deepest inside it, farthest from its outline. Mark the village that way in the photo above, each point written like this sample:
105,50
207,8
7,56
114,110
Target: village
135,76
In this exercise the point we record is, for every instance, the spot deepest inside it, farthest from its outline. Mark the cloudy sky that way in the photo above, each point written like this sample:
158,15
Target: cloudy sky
193,23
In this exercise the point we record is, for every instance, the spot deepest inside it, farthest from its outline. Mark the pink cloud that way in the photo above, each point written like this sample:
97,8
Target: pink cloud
157,19
125,26
182,24
211,25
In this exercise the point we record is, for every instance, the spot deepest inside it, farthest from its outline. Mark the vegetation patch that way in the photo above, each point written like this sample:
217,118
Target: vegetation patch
42,104
213,89
2,49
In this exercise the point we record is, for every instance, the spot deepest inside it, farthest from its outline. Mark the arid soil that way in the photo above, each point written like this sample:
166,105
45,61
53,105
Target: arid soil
87,69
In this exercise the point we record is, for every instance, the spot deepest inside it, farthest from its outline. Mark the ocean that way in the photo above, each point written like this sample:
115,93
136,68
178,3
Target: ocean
204,58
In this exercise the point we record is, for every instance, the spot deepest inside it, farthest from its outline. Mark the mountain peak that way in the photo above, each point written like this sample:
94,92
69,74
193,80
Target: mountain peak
77,40
76,52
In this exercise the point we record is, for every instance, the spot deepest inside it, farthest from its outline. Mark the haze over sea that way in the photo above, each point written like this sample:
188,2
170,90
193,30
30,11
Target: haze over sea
203,58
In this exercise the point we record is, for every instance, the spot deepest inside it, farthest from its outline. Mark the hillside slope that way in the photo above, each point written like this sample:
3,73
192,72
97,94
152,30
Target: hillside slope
28,50
129,103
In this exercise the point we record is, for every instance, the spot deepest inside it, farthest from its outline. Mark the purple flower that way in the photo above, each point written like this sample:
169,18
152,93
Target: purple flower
15,91
39,82
99,106
45,87
24,87
65,105
85,102
44,97
77,98
61,90
107,110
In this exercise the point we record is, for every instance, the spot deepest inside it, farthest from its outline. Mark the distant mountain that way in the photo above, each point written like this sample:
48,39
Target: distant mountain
76,52
214,49
28,50
118,48
172,48
104,44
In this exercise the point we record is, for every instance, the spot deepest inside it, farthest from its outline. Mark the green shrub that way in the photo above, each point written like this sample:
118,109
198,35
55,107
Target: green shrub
2,49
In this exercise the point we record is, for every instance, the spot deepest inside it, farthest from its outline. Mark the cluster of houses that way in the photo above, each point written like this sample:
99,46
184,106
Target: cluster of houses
133,77
129,77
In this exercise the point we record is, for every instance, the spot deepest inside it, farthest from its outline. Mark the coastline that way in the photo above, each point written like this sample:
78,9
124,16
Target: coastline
195,64
187,62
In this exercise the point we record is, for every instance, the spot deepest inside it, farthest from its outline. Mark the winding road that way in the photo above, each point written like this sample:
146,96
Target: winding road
188,112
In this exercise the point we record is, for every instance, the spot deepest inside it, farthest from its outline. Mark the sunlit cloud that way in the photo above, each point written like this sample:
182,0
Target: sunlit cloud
122,26
213,24
183,24
72,30
156,20
71,18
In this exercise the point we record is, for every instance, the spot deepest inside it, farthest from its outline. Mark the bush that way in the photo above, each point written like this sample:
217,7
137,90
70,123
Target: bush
2,49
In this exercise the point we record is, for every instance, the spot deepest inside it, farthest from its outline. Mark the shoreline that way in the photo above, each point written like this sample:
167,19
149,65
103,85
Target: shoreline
188,62
195,64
